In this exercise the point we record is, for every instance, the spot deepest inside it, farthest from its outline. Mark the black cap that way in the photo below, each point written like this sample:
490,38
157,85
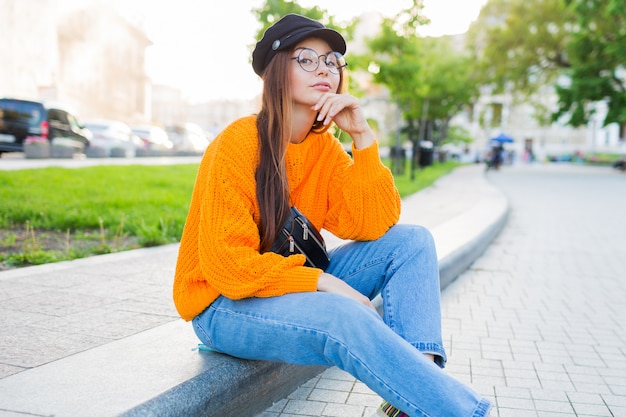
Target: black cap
287,32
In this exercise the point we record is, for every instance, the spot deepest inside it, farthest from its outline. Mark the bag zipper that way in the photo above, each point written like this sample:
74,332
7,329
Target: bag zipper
305,233
301,252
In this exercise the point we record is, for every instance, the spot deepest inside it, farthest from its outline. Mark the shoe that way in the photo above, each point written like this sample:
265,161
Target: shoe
388,410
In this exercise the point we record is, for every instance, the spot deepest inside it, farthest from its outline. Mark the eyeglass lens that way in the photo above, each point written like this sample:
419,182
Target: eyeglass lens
309,60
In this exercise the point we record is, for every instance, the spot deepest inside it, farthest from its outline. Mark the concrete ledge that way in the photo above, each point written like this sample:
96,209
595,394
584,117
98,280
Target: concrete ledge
229,387
465,238
262,384
153,373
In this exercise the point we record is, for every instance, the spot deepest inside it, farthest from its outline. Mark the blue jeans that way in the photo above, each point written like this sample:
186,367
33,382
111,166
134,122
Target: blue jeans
319,328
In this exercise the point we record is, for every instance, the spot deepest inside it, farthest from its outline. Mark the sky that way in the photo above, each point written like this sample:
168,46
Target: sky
203,48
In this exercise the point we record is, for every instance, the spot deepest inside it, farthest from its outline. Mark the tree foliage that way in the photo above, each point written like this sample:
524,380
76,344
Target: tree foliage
521,43
430,79
597,56
575,45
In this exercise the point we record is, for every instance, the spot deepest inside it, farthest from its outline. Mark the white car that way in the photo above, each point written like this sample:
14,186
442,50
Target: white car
111,138
188,138
155,140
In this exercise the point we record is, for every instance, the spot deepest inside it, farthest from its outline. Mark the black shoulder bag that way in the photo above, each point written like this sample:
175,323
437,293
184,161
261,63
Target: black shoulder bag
299,235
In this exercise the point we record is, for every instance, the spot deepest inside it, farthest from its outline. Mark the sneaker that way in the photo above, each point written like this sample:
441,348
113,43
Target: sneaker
388,410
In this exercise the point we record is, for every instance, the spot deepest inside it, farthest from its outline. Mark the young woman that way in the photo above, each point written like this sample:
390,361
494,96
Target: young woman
247,301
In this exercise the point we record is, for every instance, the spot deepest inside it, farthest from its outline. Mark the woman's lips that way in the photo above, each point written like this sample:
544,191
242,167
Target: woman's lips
322,86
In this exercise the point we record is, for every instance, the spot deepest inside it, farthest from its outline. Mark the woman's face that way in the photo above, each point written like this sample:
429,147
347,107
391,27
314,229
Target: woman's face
308,87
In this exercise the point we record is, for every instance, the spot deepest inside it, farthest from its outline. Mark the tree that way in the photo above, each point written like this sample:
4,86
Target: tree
597,55
452,83
521,43
394,62
574,45
428,78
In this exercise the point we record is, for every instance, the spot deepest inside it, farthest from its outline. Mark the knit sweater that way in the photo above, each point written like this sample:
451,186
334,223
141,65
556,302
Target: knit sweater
353,198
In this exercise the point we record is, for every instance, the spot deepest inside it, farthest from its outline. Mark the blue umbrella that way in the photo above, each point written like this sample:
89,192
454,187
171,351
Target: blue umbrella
502,138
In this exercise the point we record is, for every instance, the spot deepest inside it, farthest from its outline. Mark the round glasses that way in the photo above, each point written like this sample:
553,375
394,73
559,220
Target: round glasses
309,60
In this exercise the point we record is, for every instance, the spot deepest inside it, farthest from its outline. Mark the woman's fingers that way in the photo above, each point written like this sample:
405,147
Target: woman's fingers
343,109
329,283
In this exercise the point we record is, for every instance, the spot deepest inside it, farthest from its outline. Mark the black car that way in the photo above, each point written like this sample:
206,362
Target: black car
20,119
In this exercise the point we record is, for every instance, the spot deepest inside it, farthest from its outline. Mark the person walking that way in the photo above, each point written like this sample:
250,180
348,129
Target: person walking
245,300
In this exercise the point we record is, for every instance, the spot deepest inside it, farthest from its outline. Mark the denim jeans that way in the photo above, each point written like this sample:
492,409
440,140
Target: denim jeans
320,328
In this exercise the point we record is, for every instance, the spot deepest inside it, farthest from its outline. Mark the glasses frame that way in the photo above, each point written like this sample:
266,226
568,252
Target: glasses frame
333,69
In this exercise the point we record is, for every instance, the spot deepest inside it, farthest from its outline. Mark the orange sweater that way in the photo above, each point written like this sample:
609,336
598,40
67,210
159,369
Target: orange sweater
219,250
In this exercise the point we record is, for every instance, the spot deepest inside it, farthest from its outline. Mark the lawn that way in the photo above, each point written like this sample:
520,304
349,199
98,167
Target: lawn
54,214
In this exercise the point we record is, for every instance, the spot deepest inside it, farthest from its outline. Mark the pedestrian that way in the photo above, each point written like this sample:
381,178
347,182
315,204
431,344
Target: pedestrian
247,301
497,156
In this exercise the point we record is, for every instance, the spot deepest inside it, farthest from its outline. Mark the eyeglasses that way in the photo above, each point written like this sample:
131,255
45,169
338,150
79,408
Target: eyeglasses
309,60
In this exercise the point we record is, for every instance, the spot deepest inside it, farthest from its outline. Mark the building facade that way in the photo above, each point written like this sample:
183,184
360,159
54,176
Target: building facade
82,55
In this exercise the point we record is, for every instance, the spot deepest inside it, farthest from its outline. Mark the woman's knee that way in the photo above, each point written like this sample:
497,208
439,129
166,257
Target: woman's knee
412,236
356,319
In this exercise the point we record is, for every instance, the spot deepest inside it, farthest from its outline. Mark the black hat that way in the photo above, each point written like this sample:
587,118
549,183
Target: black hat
286,33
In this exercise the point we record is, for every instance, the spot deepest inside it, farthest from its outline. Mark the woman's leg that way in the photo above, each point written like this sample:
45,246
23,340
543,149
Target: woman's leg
330,329
402,266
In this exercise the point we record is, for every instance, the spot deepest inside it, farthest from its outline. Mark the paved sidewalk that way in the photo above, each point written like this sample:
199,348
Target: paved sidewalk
538,323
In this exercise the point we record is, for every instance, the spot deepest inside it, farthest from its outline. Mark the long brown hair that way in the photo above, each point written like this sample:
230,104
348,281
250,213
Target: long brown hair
274,123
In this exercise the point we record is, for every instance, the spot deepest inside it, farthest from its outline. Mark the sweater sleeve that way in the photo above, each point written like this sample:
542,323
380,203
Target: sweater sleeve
363,199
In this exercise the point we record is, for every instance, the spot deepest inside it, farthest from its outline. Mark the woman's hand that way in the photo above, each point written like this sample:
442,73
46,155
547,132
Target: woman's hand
330,283
345,111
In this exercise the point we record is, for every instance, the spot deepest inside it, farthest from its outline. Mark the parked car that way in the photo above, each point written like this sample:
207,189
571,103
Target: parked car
155,140
20,119
112,138
188,138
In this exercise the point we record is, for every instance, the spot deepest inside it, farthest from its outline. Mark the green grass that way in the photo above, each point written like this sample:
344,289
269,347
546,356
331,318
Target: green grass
146,201
602,158
423,177
108,205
